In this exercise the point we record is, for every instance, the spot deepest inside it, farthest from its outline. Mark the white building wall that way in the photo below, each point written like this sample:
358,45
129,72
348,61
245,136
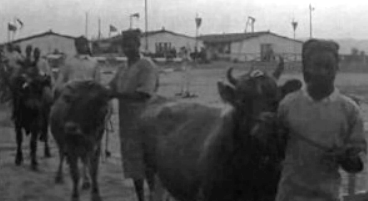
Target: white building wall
176,41
250,49
48,43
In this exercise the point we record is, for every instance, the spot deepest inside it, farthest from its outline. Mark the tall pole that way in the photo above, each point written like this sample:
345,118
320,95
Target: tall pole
310,20
99,28
196,36
86,31
130,22
14,32
294,24
8,34
146,24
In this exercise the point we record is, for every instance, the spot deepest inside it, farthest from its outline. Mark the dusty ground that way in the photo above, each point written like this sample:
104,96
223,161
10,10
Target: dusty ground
19,183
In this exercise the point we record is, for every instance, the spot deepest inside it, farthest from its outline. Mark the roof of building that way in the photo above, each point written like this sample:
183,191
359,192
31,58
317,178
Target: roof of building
47,33
235,37
163,30
149,33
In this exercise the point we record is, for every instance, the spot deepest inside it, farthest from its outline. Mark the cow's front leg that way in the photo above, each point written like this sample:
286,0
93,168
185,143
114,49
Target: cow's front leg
74,172
150,176
139,190
46,138
86,168
94,174
33,146
19,139
47,149
59,175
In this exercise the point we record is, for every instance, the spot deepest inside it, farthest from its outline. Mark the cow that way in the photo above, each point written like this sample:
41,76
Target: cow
77,122
30,113
202,152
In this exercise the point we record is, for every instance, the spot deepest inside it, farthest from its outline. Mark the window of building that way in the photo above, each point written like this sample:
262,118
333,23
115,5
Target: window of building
267,53
163,47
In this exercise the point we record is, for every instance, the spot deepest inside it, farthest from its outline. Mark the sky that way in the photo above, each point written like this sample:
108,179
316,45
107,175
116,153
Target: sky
334,19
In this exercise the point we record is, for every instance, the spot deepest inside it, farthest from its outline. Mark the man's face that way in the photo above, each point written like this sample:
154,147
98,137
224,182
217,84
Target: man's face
10,48
36,54
28,51
130,48
320,69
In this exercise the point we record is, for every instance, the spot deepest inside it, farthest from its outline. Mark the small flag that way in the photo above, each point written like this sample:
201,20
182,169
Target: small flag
294,24
198,21
135,15
113,29
12,27
20,23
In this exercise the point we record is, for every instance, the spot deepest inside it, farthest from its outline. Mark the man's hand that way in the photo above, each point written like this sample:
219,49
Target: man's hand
350,160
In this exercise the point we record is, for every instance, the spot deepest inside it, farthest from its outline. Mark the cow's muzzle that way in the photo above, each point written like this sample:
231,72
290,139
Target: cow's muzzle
72,128
263,123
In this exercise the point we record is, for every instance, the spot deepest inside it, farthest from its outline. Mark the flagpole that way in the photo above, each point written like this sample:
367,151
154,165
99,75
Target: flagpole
86,31
310,19
130,19
99,28
14,32
8,34
196,39
146,24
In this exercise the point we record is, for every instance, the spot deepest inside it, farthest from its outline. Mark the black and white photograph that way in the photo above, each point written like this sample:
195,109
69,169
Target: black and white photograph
183,100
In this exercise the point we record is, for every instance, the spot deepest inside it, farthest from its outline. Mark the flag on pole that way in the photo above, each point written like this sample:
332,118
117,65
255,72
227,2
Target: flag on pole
113,28
294,24
135,15
12,27
20,23
198,21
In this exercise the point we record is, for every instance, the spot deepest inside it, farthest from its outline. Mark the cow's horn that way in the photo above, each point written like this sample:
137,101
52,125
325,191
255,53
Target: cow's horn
230,77
279,69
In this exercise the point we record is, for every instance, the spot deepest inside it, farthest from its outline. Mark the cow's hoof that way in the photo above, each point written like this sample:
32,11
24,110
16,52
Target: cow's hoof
18,160
34,167
86,185
59,179
75,198
96,197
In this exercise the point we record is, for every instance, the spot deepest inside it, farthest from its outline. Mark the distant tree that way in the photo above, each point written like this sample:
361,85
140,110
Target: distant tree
354,51
355,55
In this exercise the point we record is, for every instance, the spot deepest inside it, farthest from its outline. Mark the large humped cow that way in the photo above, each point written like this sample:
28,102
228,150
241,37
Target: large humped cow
30,108
200,152
77,123
30,113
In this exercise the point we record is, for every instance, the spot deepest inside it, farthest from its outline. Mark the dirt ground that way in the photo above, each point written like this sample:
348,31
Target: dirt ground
20,183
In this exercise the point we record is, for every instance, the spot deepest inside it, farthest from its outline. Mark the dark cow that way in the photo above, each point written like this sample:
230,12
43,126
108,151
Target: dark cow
77,124
30,112
206,153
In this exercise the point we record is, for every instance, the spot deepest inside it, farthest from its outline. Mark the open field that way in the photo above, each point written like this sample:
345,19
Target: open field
19,183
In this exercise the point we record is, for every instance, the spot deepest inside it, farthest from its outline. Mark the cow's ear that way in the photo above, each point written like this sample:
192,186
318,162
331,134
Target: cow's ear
290,86
227,93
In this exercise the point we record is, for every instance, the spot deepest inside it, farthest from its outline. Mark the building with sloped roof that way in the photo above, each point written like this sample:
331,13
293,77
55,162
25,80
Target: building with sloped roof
160,43
260,46
49,43
163,41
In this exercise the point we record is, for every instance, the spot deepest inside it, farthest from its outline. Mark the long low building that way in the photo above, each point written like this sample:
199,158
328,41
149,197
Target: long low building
160,43
49,43
261,46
